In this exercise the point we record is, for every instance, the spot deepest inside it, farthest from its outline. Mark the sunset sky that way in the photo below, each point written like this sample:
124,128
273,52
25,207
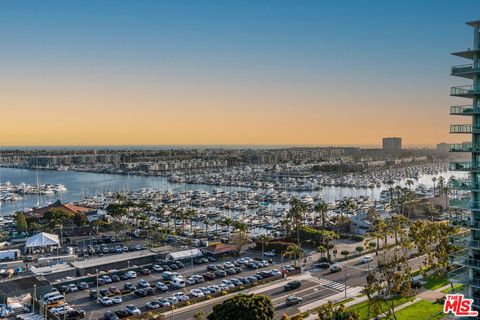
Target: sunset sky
230,72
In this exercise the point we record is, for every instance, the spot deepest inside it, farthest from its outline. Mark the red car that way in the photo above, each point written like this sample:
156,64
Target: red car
209,276
145,272
115,291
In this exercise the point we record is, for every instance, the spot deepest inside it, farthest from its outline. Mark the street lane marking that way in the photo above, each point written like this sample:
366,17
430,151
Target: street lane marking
328,283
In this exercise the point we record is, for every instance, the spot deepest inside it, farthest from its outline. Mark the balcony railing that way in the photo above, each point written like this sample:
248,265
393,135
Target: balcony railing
464,147
461,275
463,166
465,110
463,184
464,203
465,68
463,128
465,90
464,220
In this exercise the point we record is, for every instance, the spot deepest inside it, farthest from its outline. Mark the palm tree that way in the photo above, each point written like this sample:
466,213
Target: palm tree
321,208
434,179
321,250
206,223
293,251
409,183
264,238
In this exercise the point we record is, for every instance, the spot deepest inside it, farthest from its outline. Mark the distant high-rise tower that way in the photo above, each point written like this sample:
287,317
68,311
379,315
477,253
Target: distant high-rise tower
468,259
392,144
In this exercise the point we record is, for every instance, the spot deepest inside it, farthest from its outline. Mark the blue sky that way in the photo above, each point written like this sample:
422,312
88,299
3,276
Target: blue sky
378,56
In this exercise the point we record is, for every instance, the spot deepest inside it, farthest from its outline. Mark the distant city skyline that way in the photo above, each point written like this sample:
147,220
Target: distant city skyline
229,73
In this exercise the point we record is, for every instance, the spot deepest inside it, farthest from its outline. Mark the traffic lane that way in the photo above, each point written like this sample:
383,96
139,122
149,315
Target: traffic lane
81,300
314,292
309,296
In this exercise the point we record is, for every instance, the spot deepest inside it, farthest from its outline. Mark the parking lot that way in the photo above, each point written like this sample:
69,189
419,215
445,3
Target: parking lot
82,301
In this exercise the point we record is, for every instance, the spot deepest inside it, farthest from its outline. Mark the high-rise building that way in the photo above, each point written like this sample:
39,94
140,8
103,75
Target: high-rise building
468,259
392,144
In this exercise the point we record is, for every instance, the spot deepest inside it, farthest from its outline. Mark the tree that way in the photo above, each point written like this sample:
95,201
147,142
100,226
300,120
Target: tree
434,179
321,208
80,219
359,249
199,315
329,311
117,210
264,238
249,306
20,222
293,251
379,232
344,253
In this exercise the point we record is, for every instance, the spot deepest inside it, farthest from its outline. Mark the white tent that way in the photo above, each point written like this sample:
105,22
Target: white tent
183,255
42,239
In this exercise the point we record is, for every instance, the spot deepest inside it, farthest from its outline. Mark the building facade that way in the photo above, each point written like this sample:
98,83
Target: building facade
392,144
467,200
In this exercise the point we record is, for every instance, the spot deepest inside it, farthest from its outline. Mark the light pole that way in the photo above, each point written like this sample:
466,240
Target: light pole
96,293
34,297
345,280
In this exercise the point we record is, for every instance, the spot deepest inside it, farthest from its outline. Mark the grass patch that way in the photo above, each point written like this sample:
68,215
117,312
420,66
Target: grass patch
457,287
343,302
434,281
362,308
420,310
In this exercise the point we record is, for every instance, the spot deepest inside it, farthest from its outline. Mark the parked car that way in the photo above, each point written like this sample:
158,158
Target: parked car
197,293
121,314
73,314
180,296
132,309
212,267
140,293
115,278
106,301
209,276
292,300
292,285
115,291
145,272
150,291
82,285
161,286
107,279
117,299
152,305
163,302
142,283
129,286
220,274
131,274
109,315
72,287
157,268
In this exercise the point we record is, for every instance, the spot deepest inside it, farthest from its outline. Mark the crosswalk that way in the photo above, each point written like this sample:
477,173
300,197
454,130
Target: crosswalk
328,283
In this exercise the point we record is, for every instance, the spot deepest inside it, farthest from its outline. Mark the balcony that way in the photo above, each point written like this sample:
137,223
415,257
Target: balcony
464,147
464,128
464,220
464,204
465,91
467,54
464,110
463,166
461,276
465,71
463,184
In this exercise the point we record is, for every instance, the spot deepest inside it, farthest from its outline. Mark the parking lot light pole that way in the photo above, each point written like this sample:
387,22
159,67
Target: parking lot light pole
96,293
33,298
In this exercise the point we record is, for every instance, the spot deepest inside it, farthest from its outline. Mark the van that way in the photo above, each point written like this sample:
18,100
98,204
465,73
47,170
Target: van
50,295
55,301
177,283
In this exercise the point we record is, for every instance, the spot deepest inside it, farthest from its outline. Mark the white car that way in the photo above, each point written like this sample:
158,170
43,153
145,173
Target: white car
227,283
197,293
61,309
367,259
269,254
172,300
198,278
213,288
223,287
180,296
228,265
131,274
157,268
132,309
116,299
106,301
72,287
142,283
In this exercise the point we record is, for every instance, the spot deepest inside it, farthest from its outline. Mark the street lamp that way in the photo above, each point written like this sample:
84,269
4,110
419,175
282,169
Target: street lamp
96,293
34,297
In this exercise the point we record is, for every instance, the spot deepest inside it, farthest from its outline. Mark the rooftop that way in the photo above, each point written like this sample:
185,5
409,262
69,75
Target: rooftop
112,259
